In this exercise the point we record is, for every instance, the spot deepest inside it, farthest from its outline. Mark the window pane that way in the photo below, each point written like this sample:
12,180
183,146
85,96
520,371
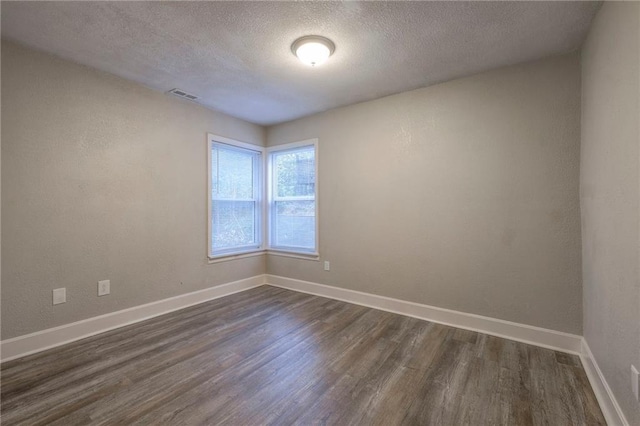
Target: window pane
233,224
232,173
295,224
296,172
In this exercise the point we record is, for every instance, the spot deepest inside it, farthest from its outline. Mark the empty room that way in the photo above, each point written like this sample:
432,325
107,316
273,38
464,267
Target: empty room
320,213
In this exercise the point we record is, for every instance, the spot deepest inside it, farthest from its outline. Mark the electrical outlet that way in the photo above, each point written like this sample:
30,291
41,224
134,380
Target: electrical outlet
635,382
104,287
327,265
59,295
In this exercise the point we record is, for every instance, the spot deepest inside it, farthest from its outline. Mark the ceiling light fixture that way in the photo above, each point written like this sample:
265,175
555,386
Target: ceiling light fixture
313,50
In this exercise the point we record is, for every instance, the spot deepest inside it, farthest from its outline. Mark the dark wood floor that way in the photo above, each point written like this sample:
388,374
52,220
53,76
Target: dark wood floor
273,356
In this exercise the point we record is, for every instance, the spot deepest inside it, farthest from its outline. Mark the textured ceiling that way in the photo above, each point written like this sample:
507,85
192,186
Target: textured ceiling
236,55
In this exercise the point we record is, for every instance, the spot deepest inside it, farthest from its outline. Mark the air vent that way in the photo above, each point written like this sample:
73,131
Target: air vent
183,94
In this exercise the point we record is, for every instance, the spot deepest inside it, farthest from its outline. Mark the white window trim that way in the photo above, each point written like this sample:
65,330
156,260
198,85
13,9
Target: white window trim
230,256
290,251
294,254
251,250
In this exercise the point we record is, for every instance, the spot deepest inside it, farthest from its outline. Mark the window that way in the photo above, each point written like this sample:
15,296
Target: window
292,198
240,221
235,197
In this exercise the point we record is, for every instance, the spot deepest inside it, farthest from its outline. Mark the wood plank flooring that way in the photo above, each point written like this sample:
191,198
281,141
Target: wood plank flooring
278,357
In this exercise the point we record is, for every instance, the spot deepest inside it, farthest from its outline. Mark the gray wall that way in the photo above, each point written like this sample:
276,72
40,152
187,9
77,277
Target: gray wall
609,192
462,195
102,179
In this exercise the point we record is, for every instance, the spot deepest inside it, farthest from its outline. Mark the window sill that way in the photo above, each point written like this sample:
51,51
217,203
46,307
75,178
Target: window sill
234,256
294,254
259,252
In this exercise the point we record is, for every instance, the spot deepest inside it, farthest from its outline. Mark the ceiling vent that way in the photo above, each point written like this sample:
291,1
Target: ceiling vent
183,94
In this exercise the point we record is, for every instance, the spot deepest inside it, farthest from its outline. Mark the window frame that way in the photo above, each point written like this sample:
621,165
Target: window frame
259,190
270,204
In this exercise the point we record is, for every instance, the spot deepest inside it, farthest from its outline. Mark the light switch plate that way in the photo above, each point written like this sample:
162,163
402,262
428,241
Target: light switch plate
327,265
104,287
59,295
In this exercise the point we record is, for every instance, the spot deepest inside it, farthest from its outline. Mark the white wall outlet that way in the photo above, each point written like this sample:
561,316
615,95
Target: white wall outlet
104,287
635,382
59,295
327,265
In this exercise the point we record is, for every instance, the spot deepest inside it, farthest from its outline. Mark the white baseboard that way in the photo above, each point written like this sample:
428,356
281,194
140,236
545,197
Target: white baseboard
41,340
52,337
546,338
608,404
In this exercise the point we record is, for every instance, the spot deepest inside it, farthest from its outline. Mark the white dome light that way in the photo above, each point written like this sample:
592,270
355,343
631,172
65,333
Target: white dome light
313,50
